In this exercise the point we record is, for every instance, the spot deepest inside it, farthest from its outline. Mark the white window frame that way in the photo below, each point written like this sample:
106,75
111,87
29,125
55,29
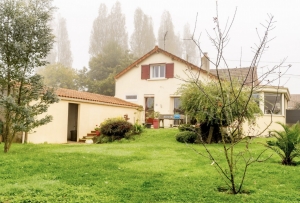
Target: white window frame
157,71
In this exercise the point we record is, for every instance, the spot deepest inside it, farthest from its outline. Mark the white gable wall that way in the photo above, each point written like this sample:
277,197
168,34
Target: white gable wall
163,90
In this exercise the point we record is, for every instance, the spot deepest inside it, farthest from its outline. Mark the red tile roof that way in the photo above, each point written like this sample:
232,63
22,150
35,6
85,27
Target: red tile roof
159,50
74,94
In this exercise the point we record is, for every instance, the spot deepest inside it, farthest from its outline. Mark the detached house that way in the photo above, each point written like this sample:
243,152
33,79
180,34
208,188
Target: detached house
152,82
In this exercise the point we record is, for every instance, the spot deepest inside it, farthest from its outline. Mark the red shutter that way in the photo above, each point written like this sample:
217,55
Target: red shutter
170,70
145,72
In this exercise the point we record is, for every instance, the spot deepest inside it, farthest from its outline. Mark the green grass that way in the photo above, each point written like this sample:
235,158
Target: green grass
152,168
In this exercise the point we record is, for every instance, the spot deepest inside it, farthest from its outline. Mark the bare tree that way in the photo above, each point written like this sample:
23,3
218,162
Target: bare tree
230,93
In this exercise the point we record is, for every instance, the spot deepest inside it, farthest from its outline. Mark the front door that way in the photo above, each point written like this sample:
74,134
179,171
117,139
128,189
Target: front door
149,109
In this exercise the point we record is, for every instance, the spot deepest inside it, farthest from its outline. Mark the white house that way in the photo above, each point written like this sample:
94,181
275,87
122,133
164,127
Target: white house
152,82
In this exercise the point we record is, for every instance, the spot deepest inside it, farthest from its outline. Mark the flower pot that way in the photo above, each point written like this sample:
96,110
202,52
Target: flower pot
155,123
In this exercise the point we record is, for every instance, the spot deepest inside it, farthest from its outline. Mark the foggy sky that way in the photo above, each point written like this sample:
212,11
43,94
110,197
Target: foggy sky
80,15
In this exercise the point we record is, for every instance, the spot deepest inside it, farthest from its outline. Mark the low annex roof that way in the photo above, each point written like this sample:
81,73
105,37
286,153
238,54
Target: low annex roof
74,94
295,99
159,50
238,73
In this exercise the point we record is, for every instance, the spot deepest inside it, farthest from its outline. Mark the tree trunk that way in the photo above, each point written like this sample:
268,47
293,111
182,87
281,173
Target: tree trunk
6,146
210,134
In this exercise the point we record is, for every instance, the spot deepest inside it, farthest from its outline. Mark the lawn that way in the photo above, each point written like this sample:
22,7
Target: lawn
152,168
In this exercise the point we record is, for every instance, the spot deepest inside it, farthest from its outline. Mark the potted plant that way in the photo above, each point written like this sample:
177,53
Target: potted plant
155,119
97,130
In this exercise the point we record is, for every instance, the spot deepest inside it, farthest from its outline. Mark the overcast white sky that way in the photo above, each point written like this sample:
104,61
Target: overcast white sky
80,15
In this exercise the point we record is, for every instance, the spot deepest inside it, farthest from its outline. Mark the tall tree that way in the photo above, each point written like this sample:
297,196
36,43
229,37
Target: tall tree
61,50
58,75
99,34
104,67
64,54
189,47
143,38
108,27
117,26
25,40
166,35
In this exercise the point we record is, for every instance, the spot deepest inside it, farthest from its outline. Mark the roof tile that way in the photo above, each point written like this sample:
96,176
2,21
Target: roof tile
74,94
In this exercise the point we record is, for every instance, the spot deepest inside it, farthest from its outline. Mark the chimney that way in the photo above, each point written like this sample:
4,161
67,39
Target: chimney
205,62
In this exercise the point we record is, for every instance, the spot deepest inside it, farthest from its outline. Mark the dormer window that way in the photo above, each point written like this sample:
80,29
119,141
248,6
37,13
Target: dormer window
158,70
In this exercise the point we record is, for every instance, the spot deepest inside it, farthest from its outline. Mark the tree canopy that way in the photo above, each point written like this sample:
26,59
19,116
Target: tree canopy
167,39
25,41
142,39
58,75
108,27
105,66
216,104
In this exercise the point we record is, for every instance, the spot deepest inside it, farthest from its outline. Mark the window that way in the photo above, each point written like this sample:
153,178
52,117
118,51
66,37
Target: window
177,106
158,71
131,97
149,109
177,109
256,98
273,104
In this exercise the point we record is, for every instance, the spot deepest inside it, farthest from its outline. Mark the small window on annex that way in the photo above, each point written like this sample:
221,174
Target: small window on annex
273,104
158,71
131,97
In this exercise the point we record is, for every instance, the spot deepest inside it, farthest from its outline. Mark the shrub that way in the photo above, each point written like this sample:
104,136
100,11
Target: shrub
287,144
186,136
186,127
115,128
137,129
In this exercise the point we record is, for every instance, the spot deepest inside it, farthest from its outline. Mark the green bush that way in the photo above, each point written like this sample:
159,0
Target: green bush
115,128
103,139
186,127
186,136
137,129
